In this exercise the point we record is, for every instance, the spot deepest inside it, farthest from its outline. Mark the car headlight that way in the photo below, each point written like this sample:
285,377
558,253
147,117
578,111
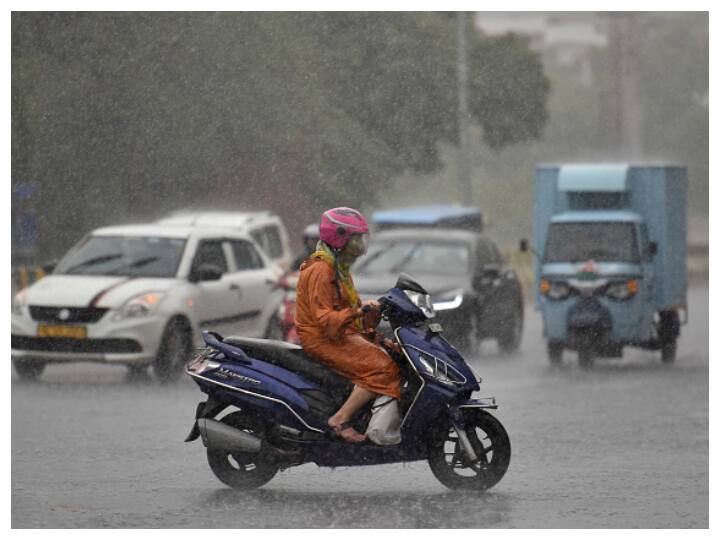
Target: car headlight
141,306
554,290
622,290
19,302
449,300
423,302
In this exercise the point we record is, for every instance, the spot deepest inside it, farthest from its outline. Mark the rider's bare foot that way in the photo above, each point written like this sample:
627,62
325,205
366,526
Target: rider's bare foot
345,431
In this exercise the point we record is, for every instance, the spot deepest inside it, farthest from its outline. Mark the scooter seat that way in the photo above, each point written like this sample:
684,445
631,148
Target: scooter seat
293,358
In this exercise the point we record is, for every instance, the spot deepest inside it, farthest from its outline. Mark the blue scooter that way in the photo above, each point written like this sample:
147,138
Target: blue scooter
283,399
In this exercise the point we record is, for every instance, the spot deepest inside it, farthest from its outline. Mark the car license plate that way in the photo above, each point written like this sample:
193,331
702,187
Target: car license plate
73,332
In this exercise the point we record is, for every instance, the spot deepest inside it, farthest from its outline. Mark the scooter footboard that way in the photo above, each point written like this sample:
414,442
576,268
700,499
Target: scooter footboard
480,403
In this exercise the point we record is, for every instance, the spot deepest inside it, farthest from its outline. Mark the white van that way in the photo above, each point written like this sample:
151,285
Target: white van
266,228
139,295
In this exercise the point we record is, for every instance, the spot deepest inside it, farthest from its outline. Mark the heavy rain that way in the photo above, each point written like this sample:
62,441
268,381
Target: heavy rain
535,186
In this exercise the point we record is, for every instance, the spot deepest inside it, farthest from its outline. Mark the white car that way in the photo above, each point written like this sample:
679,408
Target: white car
266,228
140,294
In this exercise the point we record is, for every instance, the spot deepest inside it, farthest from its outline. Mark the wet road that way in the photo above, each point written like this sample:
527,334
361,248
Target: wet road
624,444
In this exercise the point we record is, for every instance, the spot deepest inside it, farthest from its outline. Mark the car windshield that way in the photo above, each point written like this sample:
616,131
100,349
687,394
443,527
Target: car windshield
415,257
598,241
133,256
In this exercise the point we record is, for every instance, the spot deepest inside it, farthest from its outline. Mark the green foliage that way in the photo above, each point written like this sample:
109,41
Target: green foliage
673,94
509,90
674,81
121,116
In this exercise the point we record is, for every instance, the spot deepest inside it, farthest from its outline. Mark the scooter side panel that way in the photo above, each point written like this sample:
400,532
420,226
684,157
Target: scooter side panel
436,346
431,401
276,411
246,378
273,408
340,454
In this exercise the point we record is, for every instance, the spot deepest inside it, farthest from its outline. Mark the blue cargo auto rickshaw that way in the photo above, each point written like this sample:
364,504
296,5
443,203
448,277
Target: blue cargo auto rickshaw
610,267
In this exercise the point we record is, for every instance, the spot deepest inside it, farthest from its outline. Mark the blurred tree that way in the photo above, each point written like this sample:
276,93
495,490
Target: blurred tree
674,83
673,92
122,116
509,89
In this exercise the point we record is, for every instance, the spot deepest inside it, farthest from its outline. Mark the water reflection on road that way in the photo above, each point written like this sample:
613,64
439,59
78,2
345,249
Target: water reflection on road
623,444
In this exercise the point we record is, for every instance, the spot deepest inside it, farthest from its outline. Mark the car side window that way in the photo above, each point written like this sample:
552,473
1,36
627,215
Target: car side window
495,255
259,236
210,252
268,238
488,253
274,242
484,256
246,256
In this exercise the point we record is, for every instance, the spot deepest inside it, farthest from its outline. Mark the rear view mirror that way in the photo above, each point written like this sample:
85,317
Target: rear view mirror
49,266
205,272
523,245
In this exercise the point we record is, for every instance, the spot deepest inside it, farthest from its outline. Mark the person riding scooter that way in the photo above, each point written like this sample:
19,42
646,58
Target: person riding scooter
329,318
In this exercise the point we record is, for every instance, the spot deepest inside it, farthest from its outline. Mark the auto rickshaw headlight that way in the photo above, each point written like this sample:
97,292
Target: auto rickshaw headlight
554,290
622,290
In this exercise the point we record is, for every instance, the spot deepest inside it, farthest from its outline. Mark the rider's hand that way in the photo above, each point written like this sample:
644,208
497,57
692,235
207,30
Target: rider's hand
370,314
391,345
372,304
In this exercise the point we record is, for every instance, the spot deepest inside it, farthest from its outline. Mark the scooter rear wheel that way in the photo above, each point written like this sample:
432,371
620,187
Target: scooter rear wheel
241,470
492,447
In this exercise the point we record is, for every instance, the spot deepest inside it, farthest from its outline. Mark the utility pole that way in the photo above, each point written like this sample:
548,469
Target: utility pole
625,113
464,184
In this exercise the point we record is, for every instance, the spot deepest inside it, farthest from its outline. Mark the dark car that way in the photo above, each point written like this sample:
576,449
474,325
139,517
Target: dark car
473,289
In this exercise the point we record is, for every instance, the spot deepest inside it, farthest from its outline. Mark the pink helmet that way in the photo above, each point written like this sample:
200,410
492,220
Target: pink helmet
337,224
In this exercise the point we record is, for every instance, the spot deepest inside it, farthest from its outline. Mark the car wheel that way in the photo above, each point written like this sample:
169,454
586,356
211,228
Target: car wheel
510,334
174,351
463,337
275,330
28,370
137,372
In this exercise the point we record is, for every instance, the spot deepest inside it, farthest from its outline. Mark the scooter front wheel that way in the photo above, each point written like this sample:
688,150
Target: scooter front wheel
241,470
492,447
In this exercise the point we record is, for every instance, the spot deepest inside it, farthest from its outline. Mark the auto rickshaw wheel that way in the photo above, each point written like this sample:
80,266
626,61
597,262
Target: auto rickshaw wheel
669,331
585,352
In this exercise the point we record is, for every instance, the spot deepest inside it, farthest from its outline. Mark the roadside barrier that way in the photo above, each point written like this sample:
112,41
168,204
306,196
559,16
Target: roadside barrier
25,275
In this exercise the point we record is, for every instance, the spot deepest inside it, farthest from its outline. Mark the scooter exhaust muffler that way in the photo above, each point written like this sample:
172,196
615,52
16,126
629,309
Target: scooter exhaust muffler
223,437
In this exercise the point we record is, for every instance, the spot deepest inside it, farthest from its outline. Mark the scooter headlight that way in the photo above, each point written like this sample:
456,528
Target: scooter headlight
622,290
423,302
554,290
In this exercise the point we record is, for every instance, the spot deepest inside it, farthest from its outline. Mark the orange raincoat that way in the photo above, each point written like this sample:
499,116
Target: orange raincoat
325,326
